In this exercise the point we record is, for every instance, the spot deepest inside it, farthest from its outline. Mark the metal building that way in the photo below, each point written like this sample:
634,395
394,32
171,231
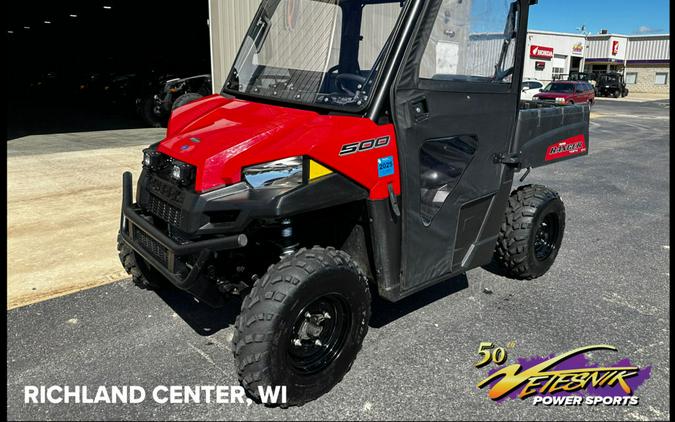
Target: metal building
644,59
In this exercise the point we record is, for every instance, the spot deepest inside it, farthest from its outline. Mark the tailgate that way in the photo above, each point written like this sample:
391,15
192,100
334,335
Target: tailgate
548,133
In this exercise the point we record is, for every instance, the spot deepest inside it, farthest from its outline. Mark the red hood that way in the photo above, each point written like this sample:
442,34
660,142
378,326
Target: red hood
554,95
220,136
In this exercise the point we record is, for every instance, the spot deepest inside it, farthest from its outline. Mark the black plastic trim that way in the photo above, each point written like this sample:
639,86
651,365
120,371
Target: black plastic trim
247,204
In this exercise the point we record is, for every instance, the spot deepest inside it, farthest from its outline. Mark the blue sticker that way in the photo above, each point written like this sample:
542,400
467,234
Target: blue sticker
385,166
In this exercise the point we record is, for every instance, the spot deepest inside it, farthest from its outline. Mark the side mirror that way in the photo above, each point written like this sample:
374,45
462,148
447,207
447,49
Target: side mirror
524,89
541,89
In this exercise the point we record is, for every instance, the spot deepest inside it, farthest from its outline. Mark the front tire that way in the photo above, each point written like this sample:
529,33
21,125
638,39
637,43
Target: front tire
531,234
142,274
149,115
302,325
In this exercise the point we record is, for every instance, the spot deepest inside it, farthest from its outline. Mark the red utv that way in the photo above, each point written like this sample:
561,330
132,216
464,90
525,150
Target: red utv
358,147
567,93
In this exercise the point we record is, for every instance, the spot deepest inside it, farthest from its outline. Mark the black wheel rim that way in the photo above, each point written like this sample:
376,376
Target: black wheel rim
319,333
546,237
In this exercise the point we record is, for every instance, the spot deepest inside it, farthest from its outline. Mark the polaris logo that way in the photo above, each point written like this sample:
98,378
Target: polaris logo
366,145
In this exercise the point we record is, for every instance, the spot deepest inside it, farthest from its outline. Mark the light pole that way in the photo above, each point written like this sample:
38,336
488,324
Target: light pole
582,30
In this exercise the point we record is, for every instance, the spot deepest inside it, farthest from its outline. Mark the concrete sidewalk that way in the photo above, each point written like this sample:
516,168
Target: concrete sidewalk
63,200
637,97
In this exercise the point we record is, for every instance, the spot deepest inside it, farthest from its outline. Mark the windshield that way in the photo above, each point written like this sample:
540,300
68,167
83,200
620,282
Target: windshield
325,52
558,87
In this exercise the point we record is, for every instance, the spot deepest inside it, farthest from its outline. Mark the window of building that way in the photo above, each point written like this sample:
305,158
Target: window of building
631,77
558,72
661,79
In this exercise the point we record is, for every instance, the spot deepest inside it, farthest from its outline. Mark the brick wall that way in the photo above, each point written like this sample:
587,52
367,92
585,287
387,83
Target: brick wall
646,75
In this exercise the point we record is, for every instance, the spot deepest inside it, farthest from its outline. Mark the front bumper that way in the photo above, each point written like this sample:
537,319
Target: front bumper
204,223
162,252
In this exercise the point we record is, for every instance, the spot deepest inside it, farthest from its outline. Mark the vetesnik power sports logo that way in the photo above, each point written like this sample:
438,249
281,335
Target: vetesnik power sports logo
566,379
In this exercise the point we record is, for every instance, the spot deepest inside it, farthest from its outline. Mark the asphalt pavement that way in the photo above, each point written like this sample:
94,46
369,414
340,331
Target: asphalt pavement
609,285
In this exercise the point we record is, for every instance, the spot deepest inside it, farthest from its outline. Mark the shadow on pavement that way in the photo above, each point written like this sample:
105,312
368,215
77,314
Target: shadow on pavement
202,318
207,321
384,312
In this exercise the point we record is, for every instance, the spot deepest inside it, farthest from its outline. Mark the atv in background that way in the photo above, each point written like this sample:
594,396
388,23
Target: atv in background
611,84
581,76
156,107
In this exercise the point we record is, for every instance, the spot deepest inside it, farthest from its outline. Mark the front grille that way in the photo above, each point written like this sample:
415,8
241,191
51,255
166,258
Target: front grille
165,189
151,246
165,211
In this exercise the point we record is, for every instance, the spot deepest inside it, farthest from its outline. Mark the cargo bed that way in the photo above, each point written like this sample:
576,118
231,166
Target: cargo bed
548,133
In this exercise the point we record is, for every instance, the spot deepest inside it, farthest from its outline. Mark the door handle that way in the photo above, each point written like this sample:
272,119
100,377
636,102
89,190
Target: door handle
393,201
419,109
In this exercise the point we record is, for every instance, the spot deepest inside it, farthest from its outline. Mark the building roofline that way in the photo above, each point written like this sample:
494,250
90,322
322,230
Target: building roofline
539,31
629,36
571,34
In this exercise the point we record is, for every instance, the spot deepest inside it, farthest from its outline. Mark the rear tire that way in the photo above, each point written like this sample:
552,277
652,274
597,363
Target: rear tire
531,235
142,274
276,334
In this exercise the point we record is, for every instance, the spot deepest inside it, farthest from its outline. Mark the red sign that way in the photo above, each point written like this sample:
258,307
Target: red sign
615,48
570,146
541,52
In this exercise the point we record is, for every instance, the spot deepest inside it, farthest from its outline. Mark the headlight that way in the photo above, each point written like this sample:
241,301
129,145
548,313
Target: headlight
560,100
151,158
182,173
286,173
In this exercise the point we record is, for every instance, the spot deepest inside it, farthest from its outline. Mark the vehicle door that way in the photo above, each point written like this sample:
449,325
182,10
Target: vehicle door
579,93
455,106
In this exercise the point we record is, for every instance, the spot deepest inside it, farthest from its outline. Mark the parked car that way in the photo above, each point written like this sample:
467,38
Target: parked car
567,92
529,87
611,84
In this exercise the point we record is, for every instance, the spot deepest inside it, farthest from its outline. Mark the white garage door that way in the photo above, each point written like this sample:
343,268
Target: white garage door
559,64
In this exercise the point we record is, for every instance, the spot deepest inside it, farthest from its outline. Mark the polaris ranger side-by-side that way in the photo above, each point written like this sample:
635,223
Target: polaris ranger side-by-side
611,84
357,146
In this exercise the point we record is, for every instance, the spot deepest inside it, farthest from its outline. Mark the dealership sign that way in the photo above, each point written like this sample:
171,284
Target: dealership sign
615,48
578,48
541,52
